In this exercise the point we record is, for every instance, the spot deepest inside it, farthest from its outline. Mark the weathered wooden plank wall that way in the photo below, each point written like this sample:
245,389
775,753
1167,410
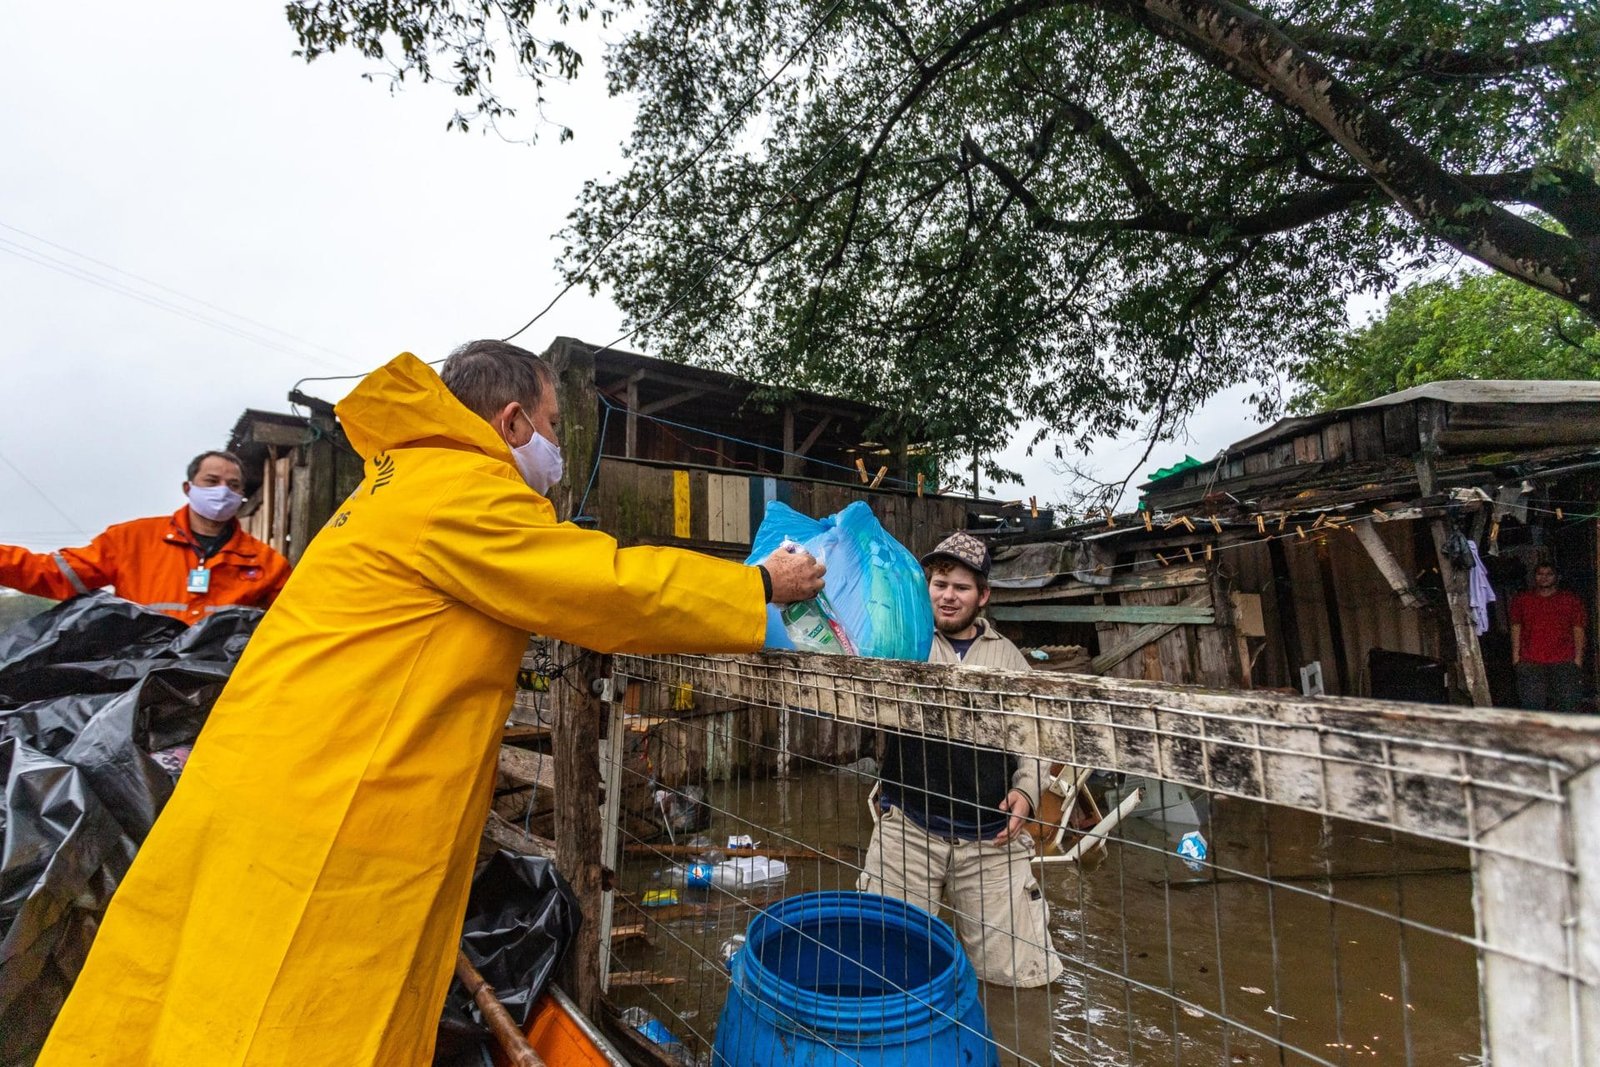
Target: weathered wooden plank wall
634,503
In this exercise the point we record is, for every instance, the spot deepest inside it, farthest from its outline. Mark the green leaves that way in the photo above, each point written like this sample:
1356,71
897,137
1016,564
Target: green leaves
1479,326
459,44
1093,214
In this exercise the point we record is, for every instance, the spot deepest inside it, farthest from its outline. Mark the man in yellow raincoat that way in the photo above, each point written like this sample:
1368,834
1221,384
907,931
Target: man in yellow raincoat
299,900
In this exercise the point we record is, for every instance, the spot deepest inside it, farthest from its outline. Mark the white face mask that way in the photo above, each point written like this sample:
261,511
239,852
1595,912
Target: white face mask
539,461
215,502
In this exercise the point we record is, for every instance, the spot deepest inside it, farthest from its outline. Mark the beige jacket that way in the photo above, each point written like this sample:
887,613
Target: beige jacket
993,650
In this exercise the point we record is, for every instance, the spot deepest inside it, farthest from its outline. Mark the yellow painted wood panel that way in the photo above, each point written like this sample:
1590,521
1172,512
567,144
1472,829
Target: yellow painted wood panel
680,503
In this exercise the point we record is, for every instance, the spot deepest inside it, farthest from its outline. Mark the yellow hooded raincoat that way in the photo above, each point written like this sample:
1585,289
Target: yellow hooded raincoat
299,900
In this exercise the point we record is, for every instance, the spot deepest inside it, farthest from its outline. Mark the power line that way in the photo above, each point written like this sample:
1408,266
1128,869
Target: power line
43,495
84,274
683,169
175,292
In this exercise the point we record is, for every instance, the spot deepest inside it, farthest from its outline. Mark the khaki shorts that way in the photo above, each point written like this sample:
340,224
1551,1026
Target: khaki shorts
998,907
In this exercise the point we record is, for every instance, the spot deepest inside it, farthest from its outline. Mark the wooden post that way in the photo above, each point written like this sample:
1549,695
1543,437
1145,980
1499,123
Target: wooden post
579,838
1288,618
1388,566
1431,418
630,447
615,745
1235,667
1469,657
499,1021
791,462
300,497
1534,1014
577,707
1348,685
580,422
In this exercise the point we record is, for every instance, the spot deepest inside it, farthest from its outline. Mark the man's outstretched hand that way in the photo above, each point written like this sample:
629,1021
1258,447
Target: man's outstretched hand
795,575
1019,807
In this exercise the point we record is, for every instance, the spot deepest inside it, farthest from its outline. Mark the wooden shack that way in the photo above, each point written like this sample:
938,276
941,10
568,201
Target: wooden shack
297,467
1320,551
657,453
691,457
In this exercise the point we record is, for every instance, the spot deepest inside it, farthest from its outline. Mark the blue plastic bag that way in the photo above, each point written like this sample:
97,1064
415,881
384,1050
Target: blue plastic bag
875,597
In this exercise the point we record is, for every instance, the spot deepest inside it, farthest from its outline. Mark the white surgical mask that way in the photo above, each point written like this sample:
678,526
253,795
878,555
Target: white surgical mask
215,502
539,461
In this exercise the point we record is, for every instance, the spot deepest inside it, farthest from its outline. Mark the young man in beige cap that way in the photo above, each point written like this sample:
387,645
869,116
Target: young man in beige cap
950,817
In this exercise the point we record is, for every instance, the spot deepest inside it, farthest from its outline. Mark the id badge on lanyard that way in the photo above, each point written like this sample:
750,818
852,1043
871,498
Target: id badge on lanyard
199,580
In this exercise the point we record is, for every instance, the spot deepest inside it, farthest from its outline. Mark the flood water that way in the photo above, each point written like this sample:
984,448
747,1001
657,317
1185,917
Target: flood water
1165,965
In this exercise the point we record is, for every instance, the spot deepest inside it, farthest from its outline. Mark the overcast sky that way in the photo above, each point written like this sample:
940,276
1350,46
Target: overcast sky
327,223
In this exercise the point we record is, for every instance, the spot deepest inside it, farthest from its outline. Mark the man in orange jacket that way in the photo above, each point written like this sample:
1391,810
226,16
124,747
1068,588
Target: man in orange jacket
186,565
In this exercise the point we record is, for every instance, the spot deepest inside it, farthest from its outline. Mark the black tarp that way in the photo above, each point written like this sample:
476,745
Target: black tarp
521,916
88,690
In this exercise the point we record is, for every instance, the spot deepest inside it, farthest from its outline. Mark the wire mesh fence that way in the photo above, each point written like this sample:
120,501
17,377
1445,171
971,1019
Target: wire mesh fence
1263,879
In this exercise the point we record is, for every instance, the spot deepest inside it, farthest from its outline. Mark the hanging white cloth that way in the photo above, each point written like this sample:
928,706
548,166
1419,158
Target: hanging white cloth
1480,594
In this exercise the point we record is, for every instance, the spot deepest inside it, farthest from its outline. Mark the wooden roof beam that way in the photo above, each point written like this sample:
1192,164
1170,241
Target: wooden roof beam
671,401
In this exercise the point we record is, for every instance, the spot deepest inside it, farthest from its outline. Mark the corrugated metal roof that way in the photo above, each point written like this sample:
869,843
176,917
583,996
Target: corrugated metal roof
1491,391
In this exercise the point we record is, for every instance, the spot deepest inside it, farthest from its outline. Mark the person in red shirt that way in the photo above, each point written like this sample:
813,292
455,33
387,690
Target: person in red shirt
186,565
1547,631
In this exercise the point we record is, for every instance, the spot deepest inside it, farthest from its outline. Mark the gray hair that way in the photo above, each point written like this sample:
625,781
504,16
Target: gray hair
194,464
487,375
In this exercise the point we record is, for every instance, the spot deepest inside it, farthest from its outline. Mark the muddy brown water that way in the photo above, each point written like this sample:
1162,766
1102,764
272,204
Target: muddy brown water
1164,965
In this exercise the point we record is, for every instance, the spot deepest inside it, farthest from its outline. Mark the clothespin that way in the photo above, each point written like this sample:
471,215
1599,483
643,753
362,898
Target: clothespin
921,478
1164,561
1261,524
1216,524
1187,554
1380,515
1208,550
861,468
1299,532
1033,504
1282,518
1111,522
877,479
1322,519
1559,515
1145,514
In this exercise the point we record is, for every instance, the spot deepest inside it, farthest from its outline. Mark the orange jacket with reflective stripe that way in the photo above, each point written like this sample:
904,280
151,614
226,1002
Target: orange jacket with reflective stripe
149,560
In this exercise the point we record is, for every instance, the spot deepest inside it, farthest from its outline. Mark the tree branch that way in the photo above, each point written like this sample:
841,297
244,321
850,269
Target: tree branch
927,76
1441,62
1162,218
1257,53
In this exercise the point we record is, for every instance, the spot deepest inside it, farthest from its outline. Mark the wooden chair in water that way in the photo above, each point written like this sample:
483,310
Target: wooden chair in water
1068,807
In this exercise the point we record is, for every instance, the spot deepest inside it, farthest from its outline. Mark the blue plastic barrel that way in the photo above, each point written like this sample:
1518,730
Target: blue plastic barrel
852,978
